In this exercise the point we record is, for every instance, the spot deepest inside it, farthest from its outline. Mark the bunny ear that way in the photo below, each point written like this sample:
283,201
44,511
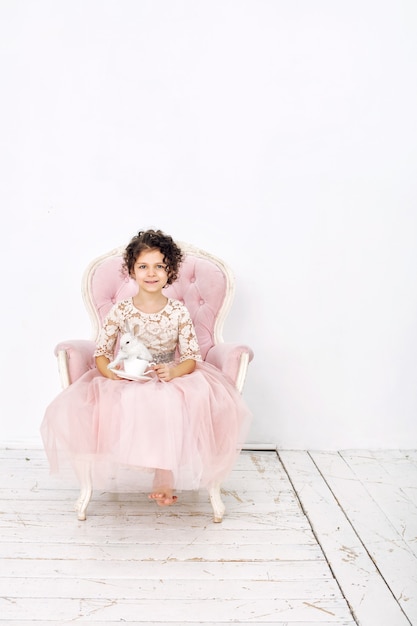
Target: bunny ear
135,329
127,326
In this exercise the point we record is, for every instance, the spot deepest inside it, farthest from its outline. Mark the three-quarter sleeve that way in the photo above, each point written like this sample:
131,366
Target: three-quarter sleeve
187,339
108,334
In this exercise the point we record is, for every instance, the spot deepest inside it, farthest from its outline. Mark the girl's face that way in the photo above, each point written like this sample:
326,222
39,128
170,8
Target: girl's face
149,271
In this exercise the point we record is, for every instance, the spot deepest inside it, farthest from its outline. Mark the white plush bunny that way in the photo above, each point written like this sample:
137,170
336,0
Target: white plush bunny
134,355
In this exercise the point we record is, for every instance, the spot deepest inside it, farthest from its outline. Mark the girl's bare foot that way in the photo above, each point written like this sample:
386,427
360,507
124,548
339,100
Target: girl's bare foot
162,493
163,498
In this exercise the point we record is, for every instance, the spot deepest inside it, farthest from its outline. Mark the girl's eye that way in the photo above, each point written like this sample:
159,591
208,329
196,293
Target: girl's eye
142,267
160,267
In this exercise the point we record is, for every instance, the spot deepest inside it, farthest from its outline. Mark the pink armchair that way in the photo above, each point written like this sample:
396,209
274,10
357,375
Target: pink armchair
205,285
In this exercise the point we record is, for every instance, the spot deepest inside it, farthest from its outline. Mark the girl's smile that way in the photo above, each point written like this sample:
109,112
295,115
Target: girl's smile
150,270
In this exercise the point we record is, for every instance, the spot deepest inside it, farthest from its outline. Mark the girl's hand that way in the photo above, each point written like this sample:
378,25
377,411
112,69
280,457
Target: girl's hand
163,371
112,375
167,372
102,363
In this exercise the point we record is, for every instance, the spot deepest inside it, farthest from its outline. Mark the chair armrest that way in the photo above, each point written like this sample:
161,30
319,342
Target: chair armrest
75,357
232,359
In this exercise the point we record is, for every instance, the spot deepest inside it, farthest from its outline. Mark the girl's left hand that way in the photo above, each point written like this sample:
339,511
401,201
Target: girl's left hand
163,371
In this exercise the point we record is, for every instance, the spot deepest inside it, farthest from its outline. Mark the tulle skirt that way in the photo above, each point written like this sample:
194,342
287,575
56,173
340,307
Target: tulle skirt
193,426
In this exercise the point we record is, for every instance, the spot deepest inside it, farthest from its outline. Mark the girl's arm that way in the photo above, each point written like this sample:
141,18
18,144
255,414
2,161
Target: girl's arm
167,372
107,340
102,363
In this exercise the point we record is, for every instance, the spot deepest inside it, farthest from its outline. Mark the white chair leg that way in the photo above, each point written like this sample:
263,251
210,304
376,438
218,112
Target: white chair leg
86,490
217,503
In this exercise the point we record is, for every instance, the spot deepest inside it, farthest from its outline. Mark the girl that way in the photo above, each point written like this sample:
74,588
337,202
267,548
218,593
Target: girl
184,424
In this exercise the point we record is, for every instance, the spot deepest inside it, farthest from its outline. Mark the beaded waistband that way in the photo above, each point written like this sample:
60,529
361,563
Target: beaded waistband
163,357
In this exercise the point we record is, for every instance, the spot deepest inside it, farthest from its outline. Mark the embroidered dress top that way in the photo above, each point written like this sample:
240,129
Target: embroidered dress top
162,333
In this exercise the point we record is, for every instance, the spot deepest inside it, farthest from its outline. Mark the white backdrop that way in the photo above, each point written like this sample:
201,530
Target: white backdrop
278,135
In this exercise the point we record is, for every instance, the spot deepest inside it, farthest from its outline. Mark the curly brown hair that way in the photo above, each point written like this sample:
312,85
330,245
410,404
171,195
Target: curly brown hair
154,240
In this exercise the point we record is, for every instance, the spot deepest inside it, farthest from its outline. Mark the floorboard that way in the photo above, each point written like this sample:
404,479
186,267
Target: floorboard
372,563
309,538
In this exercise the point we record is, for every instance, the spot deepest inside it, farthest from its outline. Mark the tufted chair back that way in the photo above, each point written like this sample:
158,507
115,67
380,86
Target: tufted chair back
204,284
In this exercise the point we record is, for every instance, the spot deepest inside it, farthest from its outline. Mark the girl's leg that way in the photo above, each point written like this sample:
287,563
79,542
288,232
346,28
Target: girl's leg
162,488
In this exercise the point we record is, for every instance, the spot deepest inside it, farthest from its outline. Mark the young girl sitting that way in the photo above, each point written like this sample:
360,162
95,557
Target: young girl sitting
184,423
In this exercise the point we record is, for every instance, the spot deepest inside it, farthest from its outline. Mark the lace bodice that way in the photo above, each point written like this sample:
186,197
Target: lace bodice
163,333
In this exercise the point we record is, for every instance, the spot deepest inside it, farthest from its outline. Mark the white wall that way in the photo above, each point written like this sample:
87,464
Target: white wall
279,135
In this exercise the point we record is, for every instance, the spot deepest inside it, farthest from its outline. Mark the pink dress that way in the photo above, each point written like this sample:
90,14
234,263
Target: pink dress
193,425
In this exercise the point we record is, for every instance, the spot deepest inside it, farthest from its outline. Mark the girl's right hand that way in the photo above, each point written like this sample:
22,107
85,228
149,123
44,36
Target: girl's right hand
101,363
112,375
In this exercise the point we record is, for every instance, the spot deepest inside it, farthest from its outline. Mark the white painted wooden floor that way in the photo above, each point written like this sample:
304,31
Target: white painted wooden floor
308,539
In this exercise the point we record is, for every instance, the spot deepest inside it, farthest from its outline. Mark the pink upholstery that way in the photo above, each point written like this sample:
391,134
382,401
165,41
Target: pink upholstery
79,356
227,357
202,285
108,285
